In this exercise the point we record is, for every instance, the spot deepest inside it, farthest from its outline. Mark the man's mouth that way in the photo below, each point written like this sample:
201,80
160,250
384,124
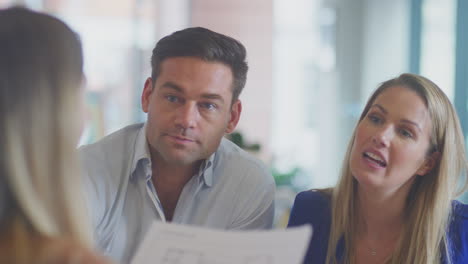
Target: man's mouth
181,138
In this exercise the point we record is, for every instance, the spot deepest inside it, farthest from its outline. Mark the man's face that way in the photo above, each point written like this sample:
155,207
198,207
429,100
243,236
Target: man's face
189,109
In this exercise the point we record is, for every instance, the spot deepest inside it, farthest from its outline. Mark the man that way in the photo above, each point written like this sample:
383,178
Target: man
177,166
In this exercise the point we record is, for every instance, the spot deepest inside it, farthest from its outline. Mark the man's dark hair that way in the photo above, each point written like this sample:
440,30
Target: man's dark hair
207,45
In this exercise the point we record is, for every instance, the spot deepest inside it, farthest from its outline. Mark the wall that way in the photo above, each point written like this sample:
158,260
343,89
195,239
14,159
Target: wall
251,23
385,43
372,41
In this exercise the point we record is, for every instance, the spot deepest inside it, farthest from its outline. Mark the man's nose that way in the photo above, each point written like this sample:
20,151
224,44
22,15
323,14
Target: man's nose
187,115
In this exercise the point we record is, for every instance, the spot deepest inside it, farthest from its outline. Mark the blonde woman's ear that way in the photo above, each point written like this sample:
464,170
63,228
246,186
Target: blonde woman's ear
429,164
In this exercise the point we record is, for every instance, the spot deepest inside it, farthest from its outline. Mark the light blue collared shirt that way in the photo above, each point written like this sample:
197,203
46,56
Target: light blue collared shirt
232,190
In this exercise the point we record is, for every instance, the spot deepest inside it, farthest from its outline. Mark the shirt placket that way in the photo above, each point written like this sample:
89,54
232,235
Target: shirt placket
187,199
154,197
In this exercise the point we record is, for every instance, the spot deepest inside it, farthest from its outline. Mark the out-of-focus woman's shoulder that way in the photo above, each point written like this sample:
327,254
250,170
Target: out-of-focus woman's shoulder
42,250
69,252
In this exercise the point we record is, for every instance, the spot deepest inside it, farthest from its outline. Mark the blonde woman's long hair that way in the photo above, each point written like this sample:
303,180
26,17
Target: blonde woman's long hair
428,205
41,71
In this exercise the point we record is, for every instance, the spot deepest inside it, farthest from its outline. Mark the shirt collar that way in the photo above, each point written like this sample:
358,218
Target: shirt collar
206,170
142,154
141,151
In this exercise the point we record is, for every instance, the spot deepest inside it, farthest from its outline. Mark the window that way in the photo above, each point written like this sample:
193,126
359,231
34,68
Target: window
117,42
439,48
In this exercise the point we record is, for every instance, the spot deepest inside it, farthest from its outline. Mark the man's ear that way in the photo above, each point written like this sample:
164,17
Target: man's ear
429,163
235,113
145,95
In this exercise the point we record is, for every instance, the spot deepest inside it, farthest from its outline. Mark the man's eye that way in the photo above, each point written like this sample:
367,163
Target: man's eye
172,99
208,106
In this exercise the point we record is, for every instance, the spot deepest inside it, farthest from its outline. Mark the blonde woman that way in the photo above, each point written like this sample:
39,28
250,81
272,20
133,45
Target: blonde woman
41,214
395,200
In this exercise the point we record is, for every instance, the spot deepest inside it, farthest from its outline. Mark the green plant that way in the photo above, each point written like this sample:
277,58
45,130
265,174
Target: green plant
238,139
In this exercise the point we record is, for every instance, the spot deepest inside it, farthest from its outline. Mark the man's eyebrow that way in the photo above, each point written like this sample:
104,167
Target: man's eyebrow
178,88
213,97
173,86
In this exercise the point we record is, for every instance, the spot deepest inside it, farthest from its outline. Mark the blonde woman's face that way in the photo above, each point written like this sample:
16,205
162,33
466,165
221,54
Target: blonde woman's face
391,142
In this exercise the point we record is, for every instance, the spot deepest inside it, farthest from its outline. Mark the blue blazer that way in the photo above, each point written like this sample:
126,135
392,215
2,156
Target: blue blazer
313,207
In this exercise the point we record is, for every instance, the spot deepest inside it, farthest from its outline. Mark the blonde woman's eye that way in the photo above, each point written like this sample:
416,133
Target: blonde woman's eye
374,119
406,133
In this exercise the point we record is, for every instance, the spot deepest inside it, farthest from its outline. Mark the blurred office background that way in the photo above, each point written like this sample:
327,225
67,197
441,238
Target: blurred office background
313,64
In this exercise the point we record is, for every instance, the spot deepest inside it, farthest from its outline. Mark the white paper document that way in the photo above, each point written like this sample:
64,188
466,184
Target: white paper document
179,244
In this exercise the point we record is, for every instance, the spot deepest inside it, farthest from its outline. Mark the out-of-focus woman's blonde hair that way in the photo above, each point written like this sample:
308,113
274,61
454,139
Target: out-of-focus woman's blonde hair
428,205
41,72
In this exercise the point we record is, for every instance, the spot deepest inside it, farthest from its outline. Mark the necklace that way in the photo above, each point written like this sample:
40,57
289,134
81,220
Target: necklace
373,252
371,249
